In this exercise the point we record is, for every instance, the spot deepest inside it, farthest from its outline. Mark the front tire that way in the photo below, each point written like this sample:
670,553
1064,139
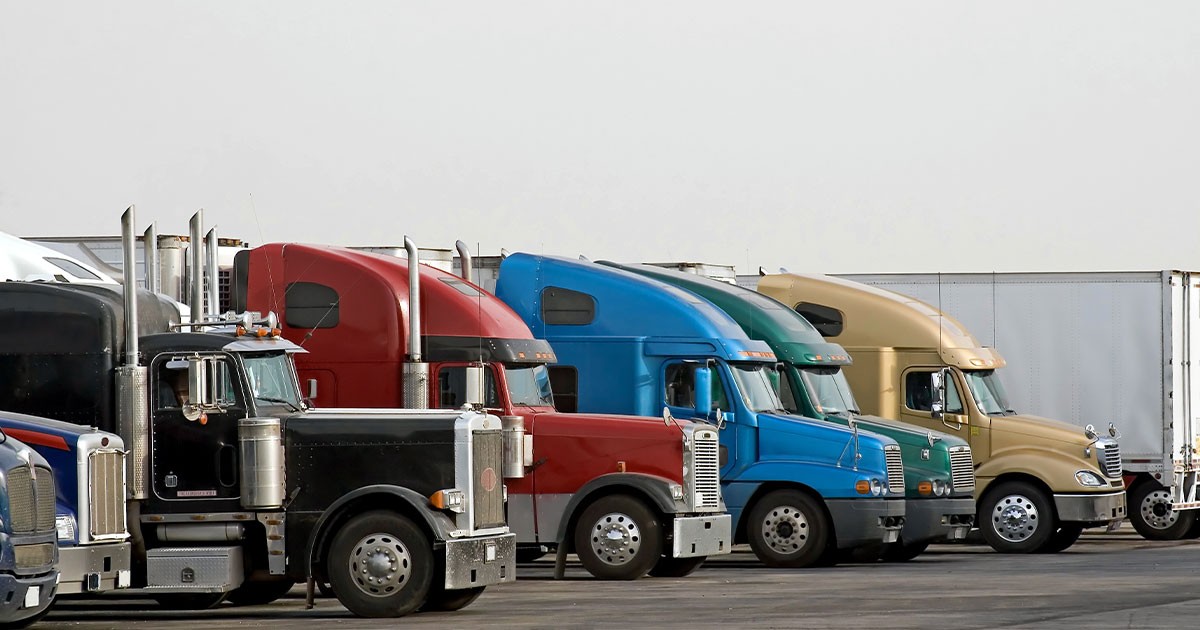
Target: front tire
1016,517
1151,514
902,551
1063,538
380,565
618,538
788,528
676,567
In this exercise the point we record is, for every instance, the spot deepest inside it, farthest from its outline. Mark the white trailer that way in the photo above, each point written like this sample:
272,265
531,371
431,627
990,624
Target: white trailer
1094,348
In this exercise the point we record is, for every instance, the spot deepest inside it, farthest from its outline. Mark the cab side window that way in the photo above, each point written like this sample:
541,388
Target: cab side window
918,392
681,387
452,388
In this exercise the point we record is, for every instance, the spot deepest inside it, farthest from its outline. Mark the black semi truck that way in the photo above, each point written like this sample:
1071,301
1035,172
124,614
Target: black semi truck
236,488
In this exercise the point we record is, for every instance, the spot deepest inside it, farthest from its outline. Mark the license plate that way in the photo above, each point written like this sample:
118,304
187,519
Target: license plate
33,596
1114,525
490,553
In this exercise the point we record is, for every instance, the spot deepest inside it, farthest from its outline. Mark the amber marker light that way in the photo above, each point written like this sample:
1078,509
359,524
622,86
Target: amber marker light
925,487
862,486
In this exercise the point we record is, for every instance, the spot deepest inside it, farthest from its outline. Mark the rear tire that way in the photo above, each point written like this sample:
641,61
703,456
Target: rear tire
441,600
1016,517
259,593
676,567
789,529
189,601
1151,514
380,565
618,538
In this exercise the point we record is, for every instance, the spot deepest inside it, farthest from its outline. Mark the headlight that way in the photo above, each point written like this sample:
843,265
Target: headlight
1089,479
940,488
676,492
65,524
877,487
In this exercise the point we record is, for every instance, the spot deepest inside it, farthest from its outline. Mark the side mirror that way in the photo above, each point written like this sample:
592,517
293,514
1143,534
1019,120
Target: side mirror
199,394
773,376
937,384
703,391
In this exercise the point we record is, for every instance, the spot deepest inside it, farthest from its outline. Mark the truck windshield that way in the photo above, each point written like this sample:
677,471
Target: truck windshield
754,384
272,378
529,385
828,390
989,394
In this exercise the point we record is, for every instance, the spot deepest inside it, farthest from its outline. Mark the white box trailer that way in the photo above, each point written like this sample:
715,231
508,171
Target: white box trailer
1094,348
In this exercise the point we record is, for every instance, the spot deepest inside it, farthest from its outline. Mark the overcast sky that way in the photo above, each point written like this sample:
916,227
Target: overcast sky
824,137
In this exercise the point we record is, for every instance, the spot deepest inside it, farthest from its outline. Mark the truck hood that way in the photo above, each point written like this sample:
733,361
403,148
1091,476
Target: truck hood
1038,429
910,435
797,437
604,425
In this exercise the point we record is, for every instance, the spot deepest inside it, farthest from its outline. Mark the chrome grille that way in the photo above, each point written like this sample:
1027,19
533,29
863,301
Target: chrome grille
31,504
706,480
106,494
1109,455
895,468
487,452
34,556
962,468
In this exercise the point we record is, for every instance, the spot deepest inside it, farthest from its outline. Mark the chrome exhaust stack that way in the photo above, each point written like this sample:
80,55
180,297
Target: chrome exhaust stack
416,373
210,269
132,379
196,251
464,260
150,259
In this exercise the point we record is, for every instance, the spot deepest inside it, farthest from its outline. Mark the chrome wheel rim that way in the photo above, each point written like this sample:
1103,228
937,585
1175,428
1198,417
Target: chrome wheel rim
1015,518
1156,510
616,538
379,564
785,529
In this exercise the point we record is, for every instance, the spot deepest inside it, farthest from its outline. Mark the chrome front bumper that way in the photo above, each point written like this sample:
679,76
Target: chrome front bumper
93,568
480,561
1090,508
694,536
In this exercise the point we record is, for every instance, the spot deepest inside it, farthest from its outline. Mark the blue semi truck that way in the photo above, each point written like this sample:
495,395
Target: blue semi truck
28,551
799,490
89,504
939,475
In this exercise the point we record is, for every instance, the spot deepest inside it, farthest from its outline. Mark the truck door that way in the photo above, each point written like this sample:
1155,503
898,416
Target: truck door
194,459
679,396
917,403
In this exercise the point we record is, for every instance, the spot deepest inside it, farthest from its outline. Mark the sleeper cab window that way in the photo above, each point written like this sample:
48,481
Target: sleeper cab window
310,305
827,320
565,307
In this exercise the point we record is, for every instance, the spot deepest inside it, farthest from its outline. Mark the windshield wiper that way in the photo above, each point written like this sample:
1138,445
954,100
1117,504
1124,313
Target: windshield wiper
289,403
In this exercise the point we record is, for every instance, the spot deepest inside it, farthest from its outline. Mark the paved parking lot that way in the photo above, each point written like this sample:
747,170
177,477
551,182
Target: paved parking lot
1104,581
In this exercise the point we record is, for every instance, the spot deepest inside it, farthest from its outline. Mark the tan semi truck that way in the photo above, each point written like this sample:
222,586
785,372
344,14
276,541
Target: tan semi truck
1039,482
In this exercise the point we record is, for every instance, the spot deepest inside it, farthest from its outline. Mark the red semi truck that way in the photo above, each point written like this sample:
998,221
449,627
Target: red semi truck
629,495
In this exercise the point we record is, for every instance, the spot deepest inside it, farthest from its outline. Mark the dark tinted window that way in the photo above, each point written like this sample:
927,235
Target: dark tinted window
918,392
72,268
452,388
310,305
564,382
566,307
828,321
